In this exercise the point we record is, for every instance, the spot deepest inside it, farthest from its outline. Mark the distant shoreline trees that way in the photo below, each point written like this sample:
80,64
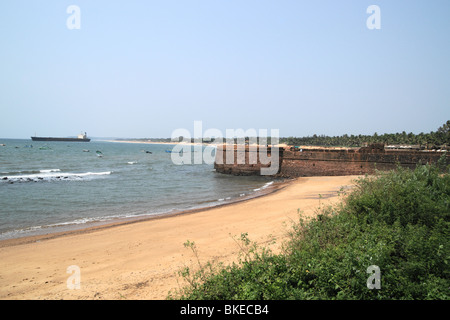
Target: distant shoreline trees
438,138
432,140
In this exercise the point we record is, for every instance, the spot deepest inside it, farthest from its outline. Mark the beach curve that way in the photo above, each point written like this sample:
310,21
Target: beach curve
140,260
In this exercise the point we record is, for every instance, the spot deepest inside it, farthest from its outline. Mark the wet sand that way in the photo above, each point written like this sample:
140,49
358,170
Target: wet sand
140,259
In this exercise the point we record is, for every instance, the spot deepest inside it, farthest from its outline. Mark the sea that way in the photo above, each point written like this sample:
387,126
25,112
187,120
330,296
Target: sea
48,187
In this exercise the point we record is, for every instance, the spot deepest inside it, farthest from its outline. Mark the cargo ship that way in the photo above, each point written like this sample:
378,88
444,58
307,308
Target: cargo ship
80,138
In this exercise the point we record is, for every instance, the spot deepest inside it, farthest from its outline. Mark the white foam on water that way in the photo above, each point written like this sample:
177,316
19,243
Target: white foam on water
50,170
52,175
29,171
268,184
69,225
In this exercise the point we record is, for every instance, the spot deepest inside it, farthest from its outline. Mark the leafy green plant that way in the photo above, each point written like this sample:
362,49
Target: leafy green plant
397,220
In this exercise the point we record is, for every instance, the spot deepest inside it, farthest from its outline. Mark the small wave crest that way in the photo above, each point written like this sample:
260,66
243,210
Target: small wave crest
50,170
70,225
51,175
268,184
21,172
245,194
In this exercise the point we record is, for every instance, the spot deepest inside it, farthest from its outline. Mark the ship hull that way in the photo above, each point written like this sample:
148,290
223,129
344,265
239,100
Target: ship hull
60,139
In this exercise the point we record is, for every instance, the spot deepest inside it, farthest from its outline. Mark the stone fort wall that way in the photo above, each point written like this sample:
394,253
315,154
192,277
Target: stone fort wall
304,162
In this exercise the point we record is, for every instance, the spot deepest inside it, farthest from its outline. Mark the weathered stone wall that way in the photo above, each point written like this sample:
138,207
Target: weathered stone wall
294,162
330,162
244,160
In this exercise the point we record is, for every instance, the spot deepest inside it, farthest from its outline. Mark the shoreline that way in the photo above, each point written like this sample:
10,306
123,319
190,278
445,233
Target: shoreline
140,259
99,225
212,144
157,142
137,141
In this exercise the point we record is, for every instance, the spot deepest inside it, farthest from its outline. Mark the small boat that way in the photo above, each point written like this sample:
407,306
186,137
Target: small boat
170,151
99,153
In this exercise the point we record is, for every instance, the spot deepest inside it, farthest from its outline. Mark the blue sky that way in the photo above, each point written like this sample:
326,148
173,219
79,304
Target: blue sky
146,68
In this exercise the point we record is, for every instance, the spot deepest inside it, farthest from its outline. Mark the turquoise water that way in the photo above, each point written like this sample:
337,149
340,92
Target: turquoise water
52,186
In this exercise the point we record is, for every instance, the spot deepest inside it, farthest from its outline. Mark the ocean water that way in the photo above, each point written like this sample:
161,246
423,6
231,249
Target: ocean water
54,186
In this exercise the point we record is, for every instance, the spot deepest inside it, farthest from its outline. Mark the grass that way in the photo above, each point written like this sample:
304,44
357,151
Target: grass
397,221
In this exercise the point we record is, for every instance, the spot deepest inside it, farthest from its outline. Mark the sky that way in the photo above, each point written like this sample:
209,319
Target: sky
142,69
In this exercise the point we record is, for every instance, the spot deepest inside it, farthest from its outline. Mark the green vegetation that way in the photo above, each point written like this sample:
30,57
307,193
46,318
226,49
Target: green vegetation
441,137
432,140
398,221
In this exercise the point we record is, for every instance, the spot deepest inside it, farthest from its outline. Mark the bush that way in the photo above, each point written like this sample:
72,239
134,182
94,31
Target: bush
398,221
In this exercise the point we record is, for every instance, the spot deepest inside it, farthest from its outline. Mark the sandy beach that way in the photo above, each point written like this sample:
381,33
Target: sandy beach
140,260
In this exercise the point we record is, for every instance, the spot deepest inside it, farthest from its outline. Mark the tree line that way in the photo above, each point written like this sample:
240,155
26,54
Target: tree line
433,139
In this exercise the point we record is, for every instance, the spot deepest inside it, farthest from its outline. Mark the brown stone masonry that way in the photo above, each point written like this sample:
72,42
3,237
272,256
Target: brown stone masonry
304,162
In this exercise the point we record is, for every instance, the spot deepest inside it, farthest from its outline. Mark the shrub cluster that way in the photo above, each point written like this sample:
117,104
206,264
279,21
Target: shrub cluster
397,220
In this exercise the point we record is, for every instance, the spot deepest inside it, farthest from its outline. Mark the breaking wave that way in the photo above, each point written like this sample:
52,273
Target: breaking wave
49,175
268,184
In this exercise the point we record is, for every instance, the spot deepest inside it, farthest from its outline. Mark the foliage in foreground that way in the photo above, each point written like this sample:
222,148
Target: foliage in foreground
398,221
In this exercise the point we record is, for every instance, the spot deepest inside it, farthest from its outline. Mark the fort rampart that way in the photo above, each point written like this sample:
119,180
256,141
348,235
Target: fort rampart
303,162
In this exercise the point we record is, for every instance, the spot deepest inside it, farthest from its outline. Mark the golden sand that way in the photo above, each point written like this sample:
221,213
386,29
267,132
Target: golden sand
140,260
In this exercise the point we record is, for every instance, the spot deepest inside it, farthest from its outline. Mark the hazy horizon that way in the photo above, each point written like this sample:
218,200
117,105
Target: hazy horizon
142,69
